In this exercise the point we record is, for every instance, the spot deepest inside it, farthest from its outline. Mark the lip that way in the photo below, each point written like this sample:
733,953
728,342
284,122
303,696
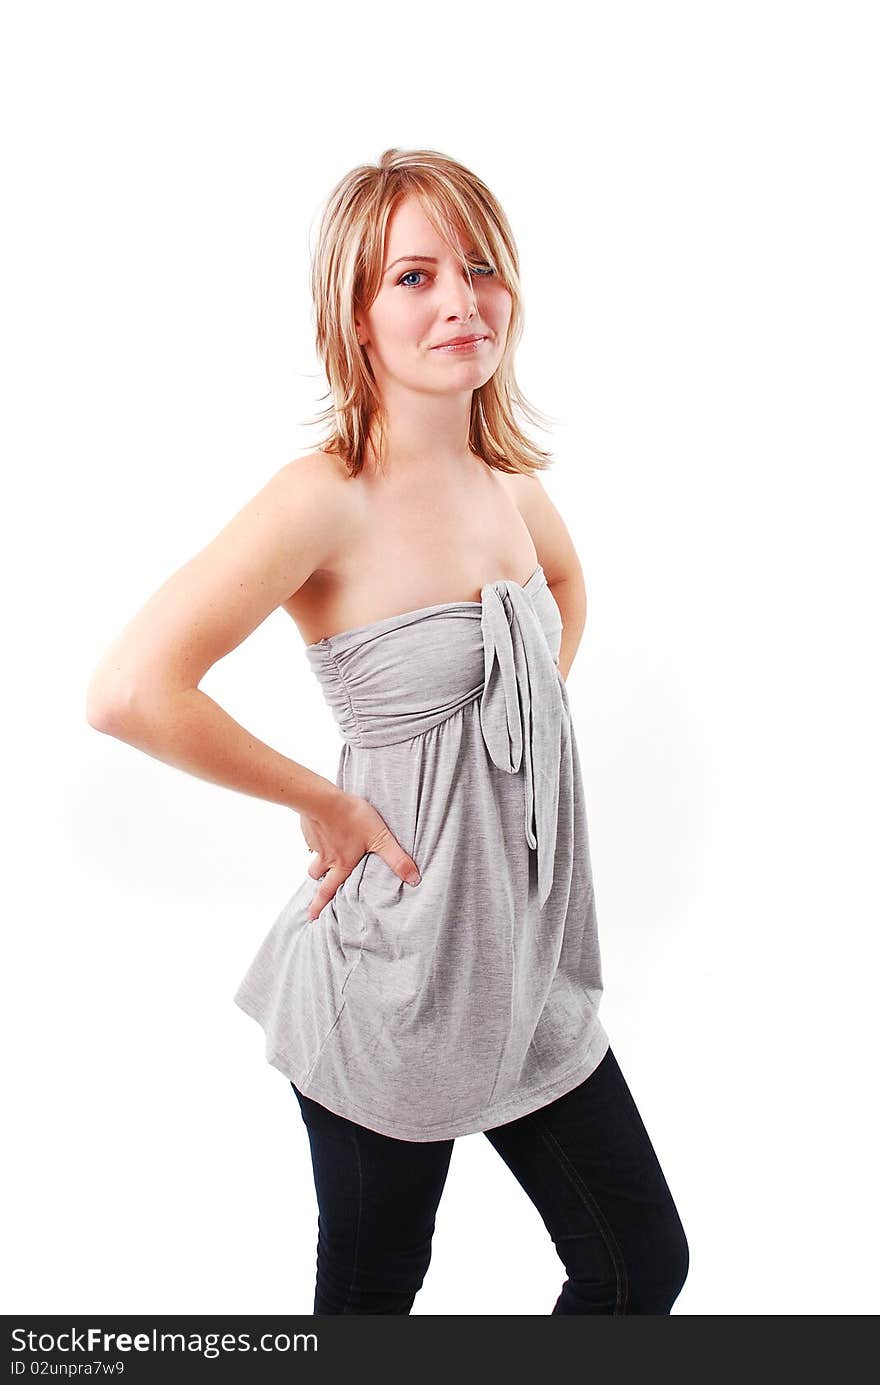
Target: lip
457,344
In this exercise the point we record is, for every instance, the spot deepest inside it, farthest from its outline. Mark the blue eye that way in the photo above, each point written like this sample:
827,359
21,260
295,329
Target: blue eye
483,271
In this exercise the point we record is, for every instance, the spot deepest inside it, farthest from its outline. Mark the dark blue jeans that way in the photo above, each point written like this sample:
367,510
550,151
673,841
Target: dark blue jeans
586,1162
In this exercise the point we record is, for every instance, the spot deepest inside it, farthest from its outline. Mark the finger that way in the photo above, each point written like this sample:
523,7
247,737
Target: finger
386,845
403,865
326,890
317,868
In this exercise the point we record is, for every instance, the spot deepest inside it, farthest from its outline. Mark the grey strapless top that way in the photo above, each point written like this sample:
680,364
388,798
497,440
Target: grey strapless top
432,1011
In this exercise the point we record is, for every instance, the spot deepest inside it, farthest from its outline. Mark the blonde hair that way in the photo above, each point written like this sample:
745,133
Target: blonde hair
346,274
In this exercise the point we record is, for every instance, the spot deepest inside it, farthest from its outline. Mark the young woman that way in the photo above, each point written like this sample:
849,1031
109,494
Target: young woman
438,972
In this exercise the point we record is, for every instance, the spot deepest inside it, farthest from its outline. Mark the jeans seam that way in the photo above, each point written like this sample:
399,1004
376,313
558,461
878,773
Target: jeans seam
607,1234
357,1236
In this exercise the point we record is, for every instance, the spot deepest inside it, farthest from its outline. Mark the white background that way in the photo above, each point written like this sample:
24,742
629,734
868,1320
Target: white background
693,190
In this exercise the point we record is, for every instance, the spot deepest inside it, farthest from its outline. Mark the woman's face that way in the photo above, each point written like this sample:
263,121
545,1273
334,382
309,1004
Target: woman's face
420,304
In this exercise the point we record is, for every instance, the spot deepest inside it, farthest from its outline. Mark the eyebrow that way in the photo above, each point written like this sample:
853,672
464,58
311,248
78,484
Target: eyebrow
423,259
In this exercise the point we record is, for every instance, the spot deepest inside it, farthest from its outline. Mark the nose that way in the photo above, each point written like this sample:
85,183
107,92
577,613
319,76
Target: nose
460,297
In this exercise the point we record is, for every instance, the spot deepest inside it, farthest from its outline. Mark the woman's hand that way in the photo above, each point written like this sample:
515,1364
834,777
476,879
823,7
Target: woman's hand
345,831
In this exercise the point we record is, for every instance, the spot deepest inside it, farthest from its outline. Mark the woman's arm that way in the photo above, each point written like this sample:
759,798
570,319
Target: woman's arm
189,730
145,689
571,598
559,559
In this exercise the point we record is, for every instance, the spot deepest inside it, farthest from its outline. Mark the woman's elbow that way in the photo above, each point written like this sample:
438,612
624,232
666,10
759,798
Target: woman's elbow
109,707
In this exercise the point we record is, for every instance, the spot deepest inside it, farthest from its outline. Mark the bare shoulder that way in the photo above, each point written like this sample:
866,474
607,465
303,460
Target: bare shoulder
553,543
315,492
292,527
525,490
315,473
530,497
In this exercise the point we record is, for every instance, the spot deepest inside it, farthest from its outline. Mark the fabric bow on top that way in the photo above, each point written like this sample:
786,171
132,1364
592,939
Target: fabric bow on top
524,712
